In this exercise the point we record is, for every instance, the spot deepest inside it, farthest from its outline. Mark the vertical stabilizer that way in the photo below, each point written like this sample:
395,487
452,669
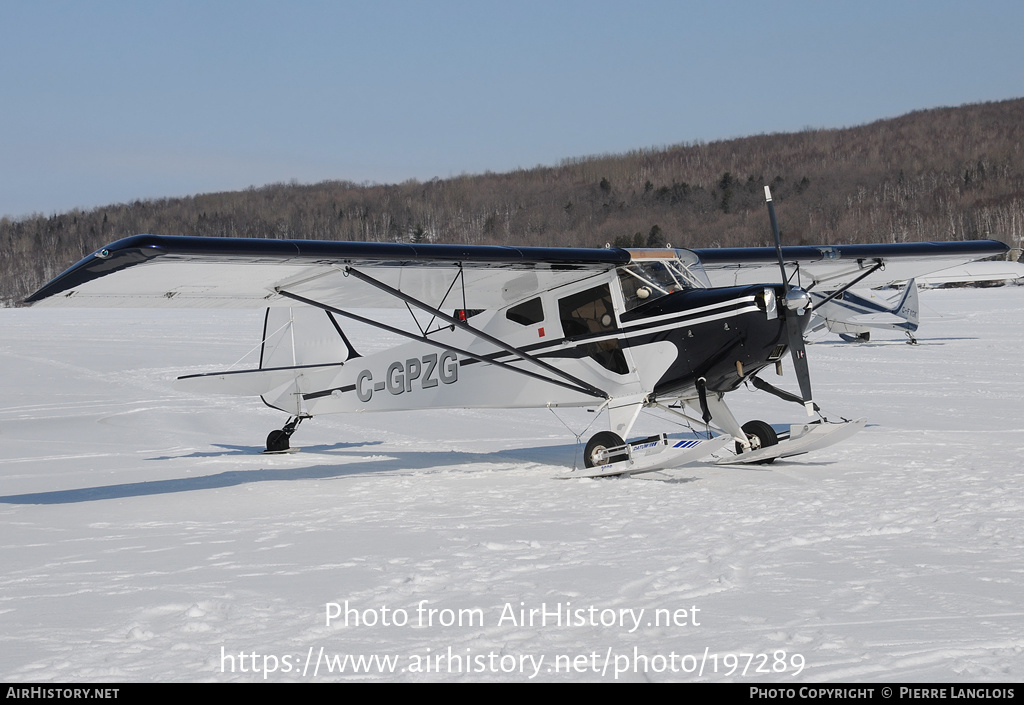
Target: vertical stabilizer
302,335
908,307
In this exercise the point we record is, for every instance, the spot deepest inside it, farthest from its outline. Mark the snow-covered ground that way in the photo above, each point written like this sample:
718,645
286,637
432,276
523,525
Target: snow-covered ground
145,538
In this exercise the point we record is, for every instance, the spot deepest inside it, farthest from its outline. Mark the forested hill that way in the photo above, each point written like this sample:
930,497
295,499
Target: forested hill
942,174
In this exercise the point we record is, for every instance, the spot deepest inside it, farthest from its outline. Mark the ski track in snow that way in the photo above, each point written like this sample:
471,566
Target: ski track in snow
144,533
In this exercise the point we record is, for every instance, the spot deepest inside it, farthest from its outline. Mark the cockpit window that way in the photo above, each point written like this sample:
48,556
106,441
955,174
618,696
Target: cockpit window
645,281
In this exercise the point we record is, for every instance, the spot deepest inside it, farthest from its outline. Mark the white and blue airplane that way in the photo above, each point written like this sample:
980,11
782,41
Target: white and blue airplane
852,315
614,330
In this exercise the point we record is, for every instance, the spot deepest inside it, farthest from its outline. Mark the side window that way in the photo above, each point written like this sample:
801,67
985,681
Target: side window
590,313
526,313
587,312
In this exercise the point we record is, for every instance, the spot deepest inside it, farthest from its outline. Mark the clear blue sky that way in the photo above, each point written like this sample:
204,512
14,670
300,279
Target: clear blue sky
109,101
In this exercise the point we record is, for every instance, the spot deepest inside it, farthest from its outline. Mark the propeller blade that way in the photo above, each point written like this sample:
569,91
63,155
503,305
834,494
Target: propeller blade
799,353
792,306
778,238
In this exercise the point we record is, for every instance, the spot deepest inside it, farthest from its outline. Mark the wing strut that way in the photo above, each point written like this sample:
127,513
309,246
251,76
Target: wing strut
580,386
841,290
475,332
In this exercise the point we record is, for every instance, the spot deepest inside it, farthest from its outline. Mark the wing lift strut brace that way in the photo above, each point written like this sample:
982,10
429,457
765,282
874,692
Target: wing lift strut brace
573,383
879,264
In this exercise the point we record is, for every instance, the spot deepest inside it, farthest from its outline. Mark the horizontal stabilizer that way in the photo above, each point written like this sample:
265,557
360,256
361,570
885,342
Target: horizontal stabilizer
260,382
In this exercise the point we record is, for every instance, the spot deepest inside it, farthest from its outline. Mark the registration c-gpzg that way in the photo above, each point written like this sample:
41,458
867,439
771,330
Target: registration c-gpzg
429,370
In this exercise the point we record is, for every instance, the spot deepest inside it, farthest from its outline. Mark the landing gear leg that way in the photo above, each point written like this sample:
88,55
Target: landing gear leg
912,340
277,441
720,414
752,435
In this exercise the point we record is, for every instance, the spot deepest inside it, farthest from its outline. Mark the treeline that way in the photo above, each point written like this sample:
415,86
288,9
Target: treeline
943,174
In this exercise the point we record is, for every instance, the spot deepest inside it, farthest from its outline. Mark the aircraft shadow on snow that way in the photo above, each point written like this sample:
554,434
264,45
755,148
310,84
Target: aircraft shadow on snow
385,462
236,450
560,457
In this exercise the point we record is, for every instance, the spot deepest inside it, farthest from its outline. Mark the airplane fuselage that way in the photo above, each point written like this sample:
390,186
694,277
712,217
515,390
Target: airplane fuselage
655,350
721,335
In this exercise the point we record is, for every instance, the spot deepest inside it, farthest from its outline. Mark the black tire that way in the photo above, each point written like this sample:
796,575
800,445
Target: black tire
764,434
277,441
600,441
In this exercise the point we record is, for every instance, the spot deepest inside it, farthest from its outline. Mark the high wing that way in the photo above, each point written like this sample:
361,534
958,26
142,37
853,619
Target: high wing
212,272
828,268
208,272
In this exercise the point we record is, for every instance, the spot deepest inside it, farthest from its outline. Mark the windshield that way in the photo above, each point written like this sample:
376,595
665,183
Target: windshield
649,277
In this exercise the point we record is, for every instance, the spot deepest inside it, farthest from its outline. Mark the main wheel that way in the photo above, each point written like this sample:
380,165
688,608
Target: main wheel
761,435
277,441
600,442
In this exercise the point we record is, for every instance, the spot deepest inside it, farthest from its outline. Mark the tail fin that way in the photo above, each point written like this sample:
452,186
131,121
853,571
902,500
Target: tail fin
908,307
303,349
293,337
301,337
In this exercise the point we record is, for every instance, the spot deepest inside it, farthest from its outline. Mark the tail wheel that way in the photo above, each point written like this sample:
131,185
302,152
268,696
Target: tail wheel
761,435
277,441
599,443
